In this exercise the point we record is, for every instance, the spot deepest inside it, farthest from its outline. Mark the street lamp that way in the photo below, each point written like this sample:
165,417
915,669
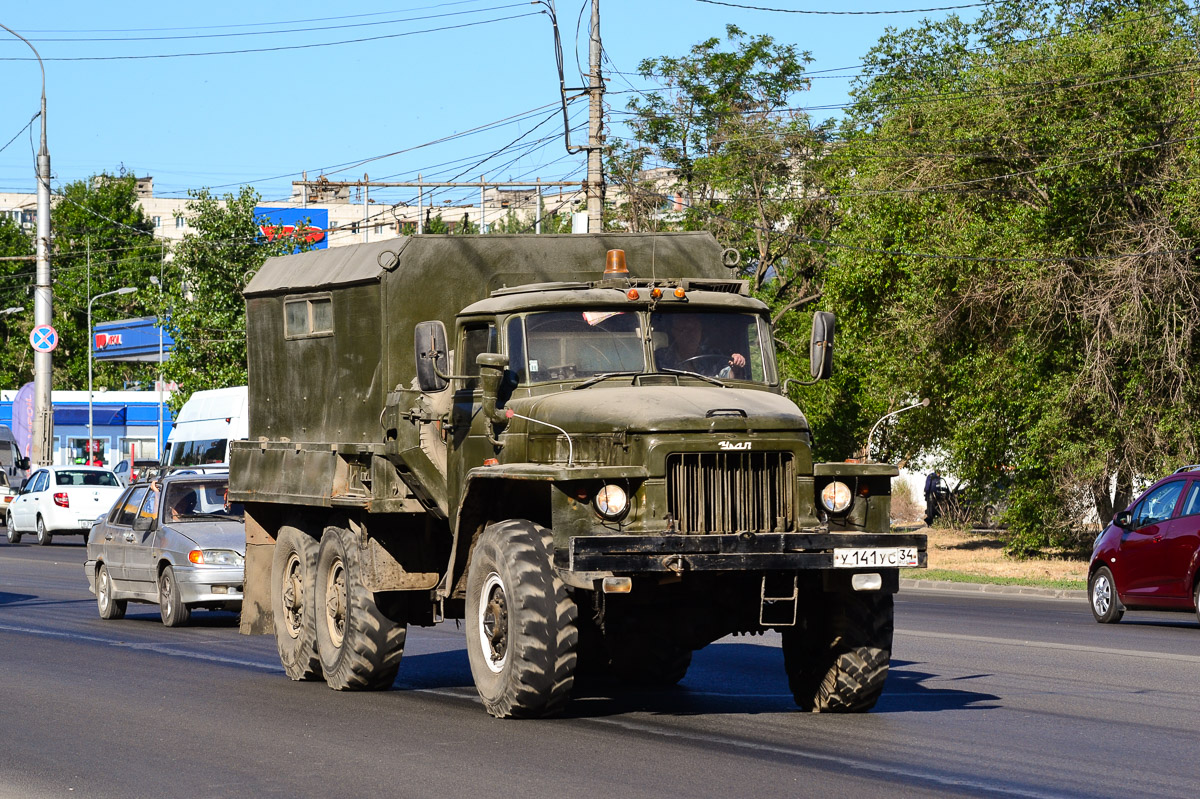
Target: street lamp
158,436
91,346
43,416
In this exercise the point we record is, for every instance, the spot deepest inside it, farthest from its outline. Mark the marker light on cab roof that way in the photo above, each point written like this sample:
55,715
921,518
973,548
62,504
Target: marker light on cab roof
614,264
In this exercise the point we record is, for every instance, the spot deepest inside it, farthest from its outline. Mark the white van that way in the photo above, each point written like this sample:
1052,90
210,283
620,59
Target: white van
206,424
12,462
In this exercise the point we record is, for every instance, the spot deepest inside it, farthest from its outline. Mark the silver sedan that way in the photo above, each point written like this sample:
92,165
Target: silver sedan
175,542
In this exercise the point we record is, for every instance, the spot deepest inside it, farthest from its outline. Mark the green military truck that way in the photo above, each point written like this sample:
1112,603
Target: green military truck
578,445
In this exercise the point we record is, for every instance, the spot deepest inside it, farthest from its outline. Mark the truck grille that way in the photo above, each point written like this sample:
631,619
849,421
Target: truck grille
729,492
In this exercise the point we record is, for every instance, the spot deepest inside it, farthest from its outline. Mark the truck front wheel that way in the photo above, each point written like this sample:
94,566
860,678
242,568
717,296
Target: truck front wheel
294,603
837,662
521,623
360,647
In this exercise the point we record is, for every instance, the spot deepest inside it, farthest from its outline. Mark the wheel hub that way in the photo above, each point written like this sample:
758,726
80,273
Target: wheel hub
493,623
293,596
1102,595
335,602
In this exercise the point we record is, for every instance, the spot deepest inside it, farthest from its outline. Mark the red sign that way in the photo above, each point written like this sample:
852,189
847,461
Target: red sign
104,340
311,234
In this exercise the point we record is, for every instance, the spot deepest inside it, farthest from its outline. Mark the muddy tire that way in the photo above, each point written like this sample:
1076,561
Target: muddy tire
360,647
837,662
294,603
646,660
521,623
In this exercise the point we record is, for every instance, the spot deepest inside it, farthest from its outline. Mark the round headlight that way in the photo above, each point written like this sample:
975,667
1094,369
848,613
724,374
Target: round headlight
836,497
612,501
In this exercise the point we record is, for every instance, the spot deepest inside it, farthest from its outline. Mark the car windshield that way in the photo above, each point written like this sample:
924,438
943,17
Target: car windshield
565,345
196,500
562,345
727,346
81,477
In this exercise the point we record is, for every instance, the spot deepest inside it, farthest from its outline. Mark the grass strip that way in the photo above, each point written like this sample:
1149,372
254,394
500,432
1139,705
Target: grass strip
945,575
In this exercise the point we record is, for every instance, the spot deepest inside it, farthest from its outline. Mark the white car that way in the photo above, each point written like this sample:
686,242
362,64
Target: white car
63,500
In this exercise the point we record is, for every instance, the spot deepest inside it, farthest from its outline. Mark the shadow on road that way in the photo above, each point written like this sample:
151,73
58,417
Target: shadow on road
7,598
723,678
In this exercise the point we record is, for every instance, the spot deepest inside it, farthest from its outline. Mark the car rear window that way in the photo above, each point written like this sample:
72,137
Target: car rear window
74,477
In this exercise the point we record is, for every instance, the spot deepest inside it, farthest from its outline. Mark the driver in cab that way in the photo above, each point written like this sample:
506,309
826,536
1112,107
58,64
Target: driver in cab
686,352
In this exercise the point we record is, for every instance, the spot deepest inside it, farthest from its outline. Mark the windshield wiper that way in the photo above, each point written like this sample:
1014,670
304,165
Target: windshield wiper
597,378
705,378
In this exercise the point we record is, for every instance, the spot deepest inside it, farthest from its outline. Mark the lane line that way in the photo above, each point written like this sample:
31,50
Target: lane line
160,649
1095,650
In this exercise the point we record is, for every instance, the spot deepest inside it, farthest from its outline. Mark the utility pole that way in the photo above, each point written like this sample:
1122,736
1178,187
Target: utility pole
595,174
42,445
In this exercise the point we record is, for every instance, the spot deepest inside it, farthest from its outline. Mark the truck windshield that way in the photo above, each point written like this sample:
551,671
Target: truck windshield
563,345
733,346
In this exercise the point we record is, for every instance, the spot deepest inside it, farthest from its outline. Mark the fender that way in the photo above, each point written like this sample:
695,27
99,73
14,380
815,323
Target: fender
520,483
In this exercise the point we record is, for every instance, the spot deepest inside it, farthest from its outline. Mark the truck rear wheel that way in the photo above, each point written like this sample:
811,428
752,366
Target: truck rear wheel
648,662
360,647
294,603
838,662
521,623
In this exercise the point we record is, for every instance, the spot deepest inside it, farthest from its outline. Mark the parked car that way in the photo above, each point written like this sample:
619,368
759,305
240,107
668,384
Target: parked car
175,542
127,474
1147,559
61,500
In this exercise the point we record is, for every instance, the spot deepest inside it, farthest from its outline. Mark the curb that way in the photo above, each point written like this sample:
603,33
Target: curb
1071,594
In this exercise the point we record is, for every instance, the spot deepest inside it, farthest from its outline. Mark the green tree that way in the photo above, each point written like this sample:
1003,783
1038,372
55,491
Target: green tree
101,241
16,276
1018,230
744,159
203,292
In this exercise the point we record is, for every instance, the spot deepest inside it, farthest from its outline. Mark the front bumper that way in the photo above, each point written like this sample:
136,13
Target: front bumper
633,554
205,585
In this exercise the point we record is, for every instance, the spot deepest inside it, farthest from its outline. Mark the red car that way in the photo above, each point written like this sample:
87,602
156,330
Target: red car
1149,557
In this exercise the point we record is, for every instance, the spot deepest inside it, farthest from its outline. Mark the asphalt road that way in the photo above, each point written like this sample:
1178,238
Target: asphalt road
988,696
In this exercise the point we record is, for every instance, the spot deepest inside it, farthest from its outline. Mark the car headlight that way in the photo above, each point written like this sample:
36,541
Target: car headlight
216,557
836,496
611,502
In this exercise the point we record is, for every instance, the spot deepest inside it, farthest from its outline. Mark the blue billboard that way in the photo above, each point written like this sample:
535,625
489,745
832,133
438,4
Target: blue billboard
282,222
131,340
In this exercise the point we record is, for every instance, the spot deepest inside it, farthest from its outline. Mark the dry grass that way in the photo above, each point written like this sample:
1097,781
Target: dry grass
981,553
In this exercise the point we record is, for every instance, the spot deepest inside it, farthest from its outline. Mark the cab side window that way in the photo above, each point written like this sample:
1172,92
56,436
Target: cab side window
1191,505
1158,505
476,339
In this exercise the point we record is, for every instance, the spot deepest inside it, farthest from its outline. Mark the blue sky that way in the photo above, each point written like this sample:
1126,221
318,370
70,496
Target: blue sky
260,118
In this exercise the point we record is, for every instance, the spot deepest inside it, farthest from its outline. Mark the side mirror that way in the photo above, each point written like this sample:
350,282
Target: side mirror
430,345
23,463
492,367
820,347
1124,520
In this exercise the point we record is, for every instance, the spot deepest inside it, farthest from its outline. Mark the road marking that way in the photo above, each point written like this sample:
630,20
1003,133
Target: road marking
1096,650
159,649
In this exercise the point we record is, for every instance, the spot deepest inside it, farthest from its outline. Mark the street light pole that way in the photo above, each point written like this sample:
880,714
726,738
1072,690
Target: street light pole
91,346
43,419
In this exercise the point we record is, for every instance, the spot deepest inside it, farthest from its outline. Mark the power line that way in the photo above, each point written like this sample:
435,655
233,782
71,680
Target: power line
840,13
280,48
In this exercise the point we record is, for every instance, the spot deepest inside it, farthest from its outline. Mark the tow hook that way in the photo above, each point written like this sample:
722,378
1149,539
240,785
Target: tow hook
674,563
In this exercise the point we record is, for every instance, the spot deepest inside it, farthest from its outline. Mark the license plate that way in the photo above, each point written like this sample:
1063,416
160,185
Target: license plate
874,557
85,525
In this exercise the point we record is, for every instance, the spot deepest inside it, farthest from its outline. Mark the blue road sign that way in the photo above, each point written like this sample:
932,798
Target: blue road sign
43,338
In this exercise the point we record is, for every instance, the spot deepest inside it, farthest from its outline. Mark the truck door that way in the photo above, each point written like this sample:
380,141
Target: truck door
468,437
